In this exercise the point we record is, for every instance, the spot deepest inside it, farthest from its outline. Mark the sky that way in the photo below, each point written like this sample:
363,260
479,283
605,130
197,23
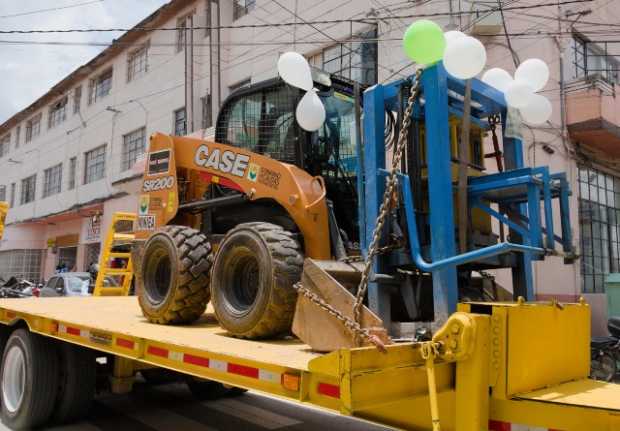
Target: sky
28,71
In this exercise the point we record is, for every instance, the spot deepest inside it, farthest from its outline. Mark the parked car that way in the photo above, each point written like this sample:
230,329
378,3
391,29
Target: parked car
68,284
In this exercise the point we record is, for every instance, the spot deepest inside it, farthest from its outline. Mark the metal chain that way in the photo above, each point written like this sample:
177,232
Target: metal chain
388,195
349,323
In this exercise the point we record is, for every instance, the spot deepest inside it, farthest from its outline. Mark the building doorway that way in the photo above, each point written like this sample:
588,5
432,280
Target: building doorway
66,259
91,255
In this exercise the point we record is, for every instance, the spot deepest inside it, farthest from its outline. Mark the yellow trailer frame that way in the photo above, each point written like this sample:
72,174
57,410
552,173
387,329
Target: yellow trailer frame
512,366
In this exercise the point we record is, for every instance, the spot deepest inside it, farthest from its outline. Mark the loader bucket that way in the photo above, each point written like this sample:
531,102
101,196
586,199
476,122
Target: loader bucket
318,328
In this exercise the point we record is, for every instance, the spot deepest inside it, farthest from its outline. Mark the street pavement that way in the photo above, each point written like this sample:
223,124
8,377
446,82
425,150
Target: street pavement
171,407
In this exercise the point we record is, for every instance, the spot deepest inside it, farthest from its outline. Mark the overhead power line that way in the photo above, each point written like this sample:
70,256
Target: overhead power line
522,35
53,9
284,24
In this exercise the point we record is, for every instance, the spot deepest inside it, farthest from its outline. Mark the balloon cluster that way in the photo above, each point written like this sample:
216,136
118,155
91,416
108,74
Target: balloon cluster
464,57
295,70
530,77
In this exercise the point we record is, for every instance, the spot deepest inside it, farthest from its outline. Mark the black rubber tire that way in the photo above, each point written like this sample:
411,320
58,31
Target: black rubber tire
262,255
174,275
202,389
78,376
40,383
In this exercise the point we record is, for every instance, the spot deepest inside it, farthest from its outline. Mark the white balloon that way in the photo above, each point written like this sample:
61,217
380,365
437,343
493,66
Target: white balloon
464,57
518,94
310,111
533,71
537,111
295,70
453,35
497,78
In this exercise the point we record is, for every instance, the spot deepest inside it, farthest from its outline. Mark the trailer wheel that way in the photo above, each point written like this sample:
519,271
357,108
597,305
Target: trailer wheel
252,280
202,389
175,275
78,375
29,380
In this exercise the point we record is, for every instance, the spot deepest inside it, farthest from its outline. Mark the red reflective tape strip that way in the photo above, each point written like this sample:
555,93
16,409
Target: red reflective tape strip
499,426
157,351
196,360
73,331
242,370
128,344
329,390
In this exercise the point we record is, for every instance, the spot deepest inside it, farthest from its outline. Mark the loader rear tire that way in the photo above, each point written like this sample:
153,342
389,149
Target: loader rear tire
175,276
252,280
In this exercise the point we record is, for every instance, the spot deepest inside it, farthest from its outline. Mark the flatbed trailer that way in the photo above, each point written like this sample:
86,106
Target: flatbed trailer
512,366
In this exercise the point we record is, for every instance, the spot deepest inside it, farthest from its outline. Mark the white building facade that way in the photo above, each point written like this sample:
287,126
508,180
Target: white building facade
67,162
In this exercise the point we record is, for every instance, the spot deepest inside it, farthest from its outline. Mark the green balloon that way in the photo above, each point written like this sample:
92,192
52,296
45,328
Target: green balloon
424,42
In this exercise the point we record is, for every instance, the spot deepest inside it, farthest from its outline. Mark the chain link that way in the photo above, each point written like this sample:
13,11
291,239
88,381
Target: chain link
354,327
389,194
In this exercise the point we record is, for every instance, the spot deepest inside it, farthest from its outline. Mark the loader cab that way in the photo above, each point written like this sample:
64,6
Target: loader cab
261,118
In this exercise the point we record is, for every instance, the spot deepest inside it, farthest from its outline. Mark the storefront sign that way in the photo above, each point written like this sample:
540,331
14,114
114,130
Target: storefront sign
93,229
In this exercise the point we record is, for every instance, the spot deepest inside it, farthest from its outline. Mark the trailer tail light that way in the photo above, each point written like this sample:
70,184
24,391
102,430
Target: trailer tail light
290,382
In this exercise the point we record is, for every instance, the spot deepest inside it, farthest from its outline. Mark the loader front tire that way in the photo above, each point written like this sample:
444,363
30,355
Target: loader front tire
175,275
252,280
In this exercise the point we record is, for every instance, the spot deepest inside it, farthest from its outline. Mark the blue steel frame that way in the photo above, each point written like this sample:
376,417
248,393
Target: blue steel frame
438,105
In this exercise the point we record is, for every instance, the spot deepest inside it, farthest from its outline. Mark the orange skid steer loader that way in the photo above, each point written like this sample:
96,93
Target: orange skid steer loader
232,221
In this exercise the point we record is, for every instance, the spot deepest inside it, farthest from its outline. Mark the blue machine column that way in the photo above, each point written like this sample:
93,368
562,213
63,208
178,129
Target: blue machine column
522,279
440,191
374,159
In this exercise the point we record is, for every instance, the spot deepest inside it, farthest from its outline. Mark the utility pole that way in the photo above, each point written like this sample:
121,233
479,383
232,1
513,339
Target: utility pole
189,73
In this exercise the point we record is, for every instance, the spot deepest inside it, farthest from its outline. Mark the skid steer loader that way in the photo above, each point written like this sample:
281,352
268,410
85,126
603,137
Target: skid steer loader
268,210
231,221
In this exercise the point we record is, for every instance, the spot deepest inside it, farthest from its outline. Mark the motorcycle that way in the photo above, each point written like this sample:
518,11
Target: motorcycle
14,288
605,353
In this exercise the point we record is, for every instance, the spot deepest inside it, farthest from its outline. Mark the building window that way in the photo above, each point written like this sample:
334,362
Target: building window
5,145
180,122
28,191
33,127
242,8
134,144
52,180
207,111
72,172
100,86
2,193
77,99
595,59
22,264
182,25
94,165
137,63
599,223
13,191
356,61
57,113
18,133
